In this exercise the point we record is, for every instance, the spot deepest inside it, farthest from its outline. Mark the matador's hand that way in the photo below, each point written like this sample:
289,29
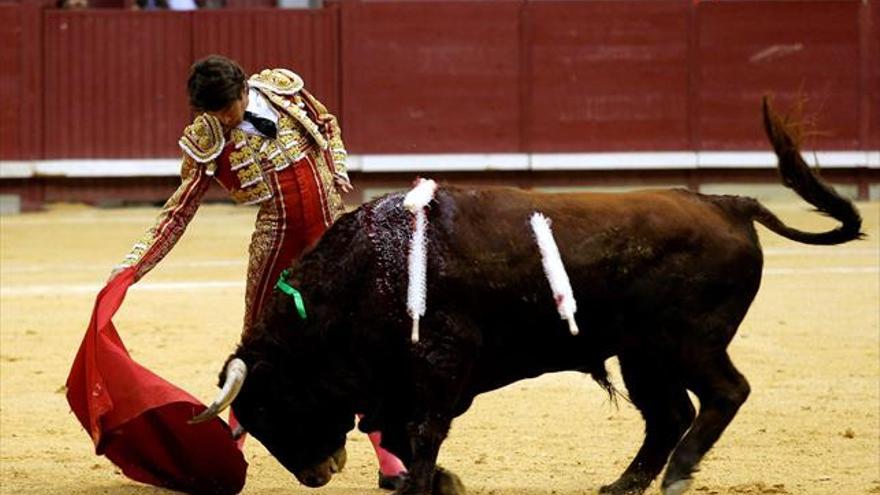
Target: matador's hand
342,184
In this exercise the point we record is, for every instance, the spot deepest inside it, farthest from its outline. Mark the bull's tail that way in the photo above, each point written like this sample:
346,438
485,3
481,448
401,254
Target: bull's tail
799,177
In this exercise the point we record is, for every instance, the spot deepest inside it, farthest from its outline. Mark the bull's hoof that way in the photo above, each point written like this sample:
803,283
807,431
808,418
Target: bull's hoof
447,483
625,486
391,482
676,487
677,479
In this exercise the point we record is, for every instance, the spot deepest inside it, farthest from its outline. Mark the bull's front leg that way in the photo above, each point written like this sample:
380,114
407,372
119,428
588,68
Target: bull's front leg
402,443
441,365
426,436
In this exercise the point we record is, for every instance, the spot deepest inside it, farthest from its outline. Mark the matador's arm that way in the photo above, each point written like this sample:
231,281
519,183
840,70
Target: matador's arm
202,143
333,133
171,222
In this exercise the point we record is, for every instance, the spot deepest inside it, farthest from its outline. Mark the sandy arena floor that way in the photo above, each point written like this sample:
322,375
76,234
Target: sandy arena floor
809,347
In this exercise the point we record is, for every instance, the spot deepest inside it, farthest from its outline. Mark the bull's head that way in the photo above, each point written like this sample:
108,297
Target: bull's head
300,393
304,429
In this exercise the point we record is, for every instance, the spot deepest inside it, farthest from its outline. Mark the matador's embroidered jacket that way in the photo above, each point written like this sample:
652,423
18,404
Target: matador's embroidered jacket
290,177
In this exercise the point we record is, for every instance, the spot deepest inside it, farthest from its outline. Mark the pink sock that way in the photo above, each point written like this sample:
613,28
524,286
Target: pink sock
388,464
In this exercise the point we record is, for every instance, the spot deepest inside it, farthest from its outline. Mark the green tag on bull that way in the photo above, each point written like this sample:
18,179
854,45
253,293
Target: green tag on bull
286,288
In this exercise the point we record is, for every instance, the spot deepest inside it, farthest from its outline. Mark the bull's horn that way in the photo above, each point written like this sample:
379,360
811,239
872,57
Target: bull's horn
236,371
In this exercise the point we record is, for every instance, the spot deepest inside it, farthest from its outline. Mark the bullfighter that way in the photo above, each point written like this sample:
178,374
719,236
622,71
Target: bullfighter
268,142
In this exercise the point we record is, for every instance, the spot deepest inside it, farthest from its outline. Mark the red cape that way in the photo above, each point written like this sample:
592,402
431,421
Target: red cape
138,420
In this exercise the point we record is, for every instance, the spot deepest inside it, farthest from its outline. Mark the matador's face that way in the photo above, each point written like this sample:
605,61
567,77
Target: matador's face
233,114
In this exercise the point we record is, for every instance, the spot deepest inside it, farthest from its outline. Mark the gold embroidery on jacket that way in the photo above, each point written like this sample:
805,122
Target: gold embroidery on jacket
256,193
171,222
245,162
334,133
249,175
325,174
280,81
255,156
263,240
292,139
298,115
203,140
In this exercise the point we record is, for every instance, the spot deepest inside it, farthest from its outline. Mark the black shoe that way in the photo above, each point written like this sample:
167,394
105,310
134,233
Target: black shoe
391,482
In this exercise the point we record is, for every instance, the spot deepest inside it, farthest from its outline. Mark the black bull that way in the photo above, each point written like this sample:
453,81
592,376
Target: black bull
662,280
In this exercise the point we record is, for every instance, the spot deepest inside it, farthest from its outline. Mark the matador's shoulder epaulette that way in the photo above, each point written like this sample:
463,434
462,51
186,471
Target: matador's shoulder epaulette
278,81
203,139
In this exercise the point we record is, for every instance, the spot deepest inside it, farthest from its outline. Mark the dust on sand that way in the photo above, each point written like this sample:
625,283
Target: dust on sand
809,347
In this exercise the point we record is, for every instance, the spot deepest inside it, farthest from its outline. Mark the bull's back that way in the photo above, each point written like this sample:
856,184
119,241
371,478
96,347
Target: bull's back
632,258
489,229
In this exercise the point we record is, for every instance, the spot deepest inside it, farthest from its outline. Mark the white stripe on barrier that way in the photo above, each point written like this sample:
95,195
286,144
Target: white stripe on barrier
16,170
109,168
432,162
453,162
767,159
613,161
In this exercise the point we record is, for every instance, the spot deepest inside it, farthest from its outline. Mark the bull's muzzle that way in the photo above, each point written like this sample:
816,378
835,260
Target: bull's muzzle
321,473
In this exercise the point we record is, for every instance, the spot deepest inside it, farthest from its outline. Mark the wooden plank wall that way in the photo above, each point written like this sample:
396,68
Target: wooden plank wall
431,77
115,81
793,50
464,76
609,76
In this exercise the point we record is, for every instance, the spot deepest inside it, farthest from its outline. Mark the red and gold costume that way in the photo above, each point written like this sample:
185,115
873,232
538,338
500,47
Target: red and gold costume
290,177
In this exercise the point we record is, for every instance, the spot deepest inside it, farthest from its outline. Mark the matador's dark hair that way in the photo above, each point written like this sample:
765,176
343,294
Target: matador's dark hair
214,83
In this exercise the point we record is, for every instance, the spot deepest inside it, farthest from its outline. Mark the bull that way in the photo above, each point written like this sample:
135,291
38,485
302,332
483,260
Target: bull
662,280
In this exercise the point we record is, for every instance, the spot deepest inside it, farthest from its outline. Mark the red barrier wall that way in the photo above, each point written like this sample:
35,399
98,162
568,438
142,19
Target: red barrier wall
302,40
10,74
791,49
114,83
606,76
870,83
453,76
21,84
428,77
115,80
